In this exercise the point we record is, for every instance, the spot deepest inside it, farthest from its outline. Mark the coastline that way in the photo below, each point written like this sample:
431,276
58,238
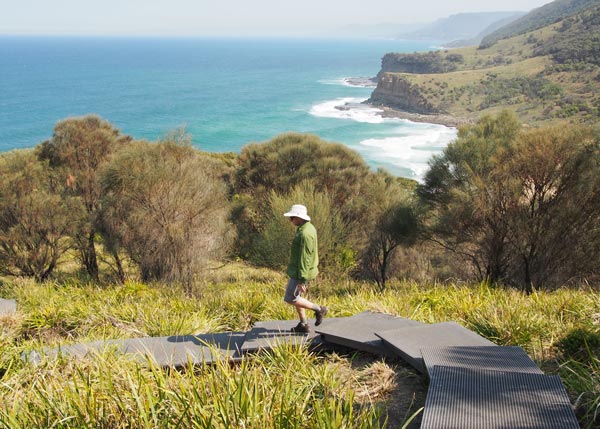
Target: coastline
389,112
439,119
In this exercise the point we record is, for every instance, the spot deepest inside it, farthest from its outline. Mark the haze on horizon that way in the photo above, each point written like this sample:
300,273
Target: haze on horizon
254,18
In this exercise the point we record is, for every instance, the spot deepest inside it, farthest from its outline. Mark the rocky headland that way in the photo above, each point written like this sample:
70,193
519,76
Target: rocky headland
546,69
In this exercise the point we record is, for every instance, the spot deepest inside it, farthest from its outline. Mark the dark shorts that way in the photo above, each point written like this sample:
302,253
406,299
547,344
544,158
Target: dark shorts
291,290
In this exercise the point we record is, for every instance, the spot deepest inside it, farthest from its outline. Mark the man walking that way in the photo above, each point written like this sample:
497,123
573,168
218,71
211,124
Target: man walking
303,267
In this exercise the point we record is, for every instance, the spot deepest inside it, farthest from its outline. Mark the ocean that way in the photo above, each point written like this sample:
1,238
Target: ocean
225,92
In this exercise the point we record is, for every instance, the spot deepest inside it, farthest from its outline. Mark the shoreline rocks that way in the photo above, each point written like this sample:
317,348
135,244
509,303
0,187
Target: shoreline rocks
434,118
364,82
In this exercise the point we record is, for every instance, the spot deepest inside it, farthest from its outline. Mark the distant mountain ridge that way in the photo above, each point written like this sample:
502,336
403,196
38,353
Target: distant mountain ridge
474,41
463,29
461,26
385,30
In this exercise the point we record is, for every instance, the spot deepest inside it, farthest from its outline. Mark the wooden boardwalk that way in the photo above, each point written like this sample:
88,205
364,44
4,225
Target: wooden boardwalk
474,384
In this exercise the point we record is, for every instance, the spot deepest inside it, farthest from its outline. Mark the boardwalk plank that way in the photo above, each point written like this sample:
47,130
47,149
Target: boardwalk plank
358,332
268,334
173,351
505,358
408,342
469,398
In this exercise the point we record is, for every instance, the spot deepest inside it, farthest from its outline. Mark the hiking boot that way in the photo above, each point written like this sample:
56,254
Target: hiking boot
301,328
320,315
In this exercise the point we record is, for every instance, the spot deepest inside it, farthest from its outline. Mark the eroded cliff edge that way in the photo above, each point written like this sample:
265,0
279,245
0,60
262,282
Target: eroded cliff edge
399,97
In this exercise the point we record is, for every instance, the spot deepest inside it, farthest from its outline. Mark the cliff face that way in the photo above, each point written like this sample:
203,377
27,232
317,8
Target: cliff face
424,63
396,92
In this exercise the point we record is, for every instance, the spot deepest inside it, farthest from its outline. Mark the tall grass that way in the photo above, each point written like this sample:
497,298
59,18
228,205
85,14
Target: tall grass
583,379
283,389
288,387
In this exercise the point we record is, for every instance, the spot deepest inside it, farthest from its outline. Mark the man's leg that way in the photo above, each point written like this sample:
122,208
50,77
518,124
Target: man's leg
303,304
293,297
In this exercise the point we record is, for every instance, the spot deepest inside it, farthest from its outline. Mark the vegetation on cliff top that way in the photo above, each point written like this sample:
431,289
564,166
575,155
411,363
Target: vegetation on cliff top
540,17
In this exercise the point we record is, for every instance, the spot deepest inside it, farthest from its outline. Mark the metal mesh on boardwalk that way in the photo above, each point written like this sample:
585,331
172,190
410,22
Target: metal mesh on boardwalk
468,398
508,358
409,341
358,332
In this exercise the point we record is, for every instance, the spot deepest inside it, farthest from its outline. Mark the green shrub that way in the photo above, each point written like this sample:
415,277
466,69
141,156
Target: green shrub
166,205
271,248
35,220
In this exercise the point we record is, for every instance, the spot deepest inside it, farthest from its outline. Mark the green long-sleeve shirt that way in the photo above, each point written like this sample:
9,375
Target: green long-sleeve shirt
304,256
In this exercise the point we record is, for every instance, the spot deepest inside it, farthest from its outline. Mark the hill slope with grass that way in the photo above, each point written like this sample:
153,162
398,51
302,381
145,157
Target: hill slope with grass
545,75
538,18
289,387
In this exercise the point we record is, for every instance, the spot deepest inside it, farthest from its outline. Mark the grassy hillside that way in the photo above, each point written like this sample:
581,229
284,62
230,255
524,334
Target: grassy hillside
287,388
538,18
546,75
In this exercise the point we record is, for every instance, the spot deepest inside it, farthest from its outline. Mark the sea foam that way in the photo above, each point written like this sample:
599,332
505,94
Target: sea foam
412,149
406,147
354,82
348,108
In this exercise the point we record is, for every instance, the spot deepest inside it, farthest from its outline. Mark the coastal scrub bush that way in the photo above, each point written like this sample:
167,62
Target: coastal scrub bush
466,205
396,226
393,223
286,161
166,205
553,185
79,147
520,205
345,198
35,221
272,245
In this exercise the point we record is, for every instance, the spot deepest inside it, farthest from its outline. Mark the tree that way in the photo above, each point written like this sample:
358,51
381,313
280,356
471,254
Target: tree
166,205
396,226
78,148
35,220
394,222
285,162
289,159
522,205
552,220
467,204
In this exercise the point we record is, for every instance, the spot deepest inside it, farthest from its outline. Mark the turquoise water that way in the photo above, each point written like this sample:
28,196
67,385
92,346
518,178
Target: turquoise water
225,92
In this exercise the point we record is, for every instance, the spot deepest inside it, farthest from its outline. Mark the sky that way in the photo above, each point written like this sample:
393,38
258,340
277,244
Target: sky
229,17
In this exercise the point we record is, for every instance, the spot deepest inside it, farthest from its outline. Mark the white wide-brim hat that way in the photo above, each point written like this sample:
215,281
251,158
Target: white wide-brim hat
298,210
